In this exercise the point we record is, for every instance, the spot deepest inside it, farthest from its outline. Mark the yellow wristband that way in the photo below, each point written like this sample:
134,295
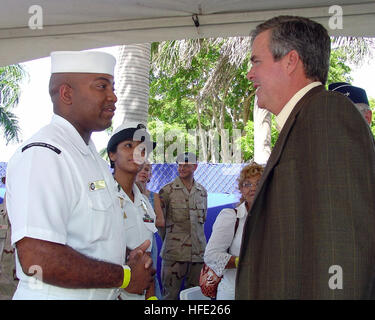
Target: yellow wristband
127,276
236,261
153,298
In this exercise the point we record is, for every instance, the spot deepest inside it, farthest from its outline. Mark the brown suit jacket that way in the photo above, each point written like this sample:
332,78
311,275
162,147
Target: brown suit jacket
314,208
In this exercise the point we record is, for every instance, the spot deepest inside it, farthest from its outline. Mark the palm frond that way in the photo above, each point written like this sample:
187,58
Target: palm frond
171,55
233,52
236,49
358,50
11,78
9,122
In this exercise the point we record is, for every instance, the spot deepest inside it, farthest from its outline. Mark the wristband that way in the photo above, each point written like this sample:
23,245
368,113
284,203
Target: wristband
127,276
152,298
236,261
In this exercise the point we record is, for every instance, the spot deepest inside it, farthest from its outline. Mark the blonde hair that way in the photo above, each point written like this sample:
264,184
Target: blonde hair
251,170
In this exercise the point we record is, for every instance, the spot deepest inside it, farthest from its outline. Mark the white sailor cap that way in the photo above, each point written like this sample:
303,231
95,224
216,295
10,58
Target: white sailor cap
82,62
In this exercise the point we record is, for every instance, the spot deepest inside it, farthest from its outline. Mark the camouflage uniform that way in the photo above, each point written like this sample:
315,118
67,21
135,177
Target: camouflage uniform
8,279
184,240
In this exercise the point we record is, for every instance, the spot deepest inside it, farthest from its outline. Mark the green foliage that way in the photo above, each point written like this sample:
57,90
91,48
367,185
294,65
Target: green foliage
10,89
247,141
338,70
175,86
204,89
372,107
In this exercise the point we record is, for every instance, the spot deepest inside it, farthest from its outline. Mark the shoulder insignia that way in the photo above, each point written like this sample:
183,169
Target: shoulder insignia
41,144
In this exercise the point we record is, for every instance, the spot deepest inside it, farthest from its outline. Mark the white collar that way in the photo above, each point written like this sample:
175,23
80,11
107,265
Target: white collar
140,200
137,194
288,108
241,210
73,135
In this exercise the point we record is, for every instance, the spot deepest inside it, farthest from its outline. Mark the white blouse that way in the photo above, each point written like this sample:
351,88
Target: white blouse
223,238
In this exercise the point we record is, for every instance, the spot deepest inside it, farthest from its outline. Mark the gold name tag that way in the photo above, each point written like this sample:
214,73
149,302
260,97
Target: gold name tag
97,185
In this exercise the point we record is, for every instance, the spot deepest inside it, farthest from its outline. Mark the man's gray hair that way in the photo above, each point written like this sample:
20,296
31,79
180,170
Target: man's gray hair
309,38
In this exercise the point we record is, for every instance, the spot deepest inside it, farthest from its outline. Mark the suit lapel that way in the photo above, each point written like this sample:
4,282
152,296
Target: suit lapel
279,146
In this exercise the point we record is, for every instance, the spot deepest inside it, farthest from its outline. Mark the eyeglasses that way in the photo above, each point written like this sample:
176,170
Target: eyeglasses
249,185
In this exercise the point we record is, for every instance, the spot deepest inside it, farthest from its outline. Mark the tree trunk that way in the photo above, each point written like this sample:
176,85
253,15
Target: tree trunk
262,134
246,108
132,84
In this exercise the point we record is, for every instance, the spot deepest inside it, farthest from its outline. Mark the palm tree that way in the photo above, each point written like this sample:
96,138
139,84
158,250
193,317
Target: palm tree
10,89
132,87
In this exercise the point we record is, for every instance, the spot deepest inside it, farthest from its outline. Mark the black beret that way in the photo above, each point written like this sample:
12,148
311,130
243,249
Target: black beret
130,130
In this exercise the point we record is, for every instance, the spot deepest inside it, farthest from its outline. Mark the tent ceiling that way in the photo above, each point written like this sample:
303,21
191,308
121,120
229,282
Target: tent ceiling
86,24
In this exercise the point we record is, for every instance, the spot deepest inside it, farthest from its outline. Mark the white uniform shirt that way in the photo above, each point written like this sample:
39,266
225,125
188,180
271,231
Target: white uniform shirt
223,238
64,194
139,219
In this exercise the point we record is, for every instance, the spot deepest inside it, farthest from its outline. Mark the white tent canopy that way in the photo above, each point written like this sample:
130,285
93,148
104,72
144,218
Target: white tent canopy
86,24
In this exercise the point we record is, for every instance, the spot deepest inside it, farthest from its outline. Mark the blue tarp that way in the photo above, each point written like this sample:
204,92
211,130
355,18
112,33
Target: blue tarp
2,192
3,168
215,177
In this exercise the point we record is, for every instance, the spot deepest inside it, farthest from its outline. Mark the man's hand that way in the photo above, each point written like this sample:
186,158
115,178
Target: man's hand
142,272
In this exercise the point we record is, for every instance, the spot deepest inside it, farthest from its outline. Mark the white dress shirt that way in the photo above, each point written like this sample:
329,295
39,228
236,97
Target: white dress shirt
288,108
223,238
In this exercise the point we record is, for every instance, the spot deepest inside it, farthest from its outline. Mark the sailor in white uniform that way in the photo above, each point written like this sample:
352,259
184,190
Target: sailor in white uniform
67,225
127,149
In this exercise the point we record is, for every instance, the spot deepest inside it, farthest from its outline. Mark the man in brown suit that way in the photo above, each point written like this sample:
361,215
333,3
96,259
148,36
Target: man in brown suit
310,232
